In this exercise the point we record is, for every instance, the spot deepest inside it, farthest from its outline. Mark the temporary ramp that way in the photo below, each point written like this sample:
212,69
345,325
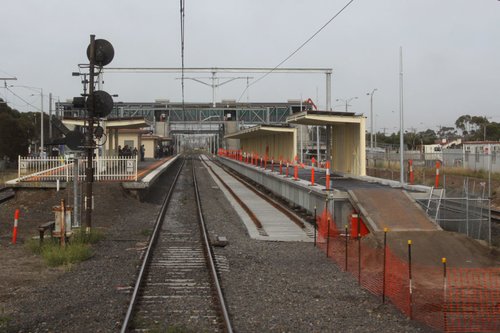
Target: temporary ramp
390,208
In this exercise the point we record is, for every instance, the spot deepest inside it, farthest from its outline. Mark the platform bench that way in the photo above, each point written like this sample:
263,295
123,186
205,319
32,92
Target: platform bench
44,227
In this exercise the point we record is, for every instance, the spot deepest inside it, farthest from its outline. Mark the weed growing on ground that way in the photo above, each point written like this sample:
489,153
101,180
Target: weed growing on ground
55,255
83,237
77,249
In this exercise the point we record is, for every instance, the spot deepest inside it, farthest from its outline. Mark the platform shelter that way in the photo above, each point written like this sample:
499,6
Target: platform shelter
346,142
278,142
118,131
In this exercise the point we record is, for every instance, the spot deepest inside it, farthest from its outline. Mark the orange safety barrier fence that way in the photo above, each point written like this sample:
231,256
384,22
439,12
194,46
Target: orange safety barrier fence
467,300
472,300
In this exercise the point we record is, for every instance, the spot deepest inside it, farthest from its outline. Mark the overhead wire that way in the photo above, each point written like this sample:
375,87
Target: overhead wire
297,49
182,12
22,99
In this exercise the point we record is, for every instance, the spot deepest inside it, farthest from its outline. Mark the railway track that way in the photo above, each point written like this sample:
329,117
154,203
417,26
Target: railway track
6,193
177,285
299,221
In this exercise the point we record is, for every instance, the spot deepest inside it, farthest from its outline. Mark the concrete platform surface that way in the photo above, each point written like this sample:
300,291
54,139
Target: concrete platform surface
276,225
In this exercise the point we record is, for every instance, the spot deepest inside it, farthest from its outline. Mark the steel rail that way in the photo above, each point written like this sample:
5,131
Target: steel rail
147,255
6,193
211,259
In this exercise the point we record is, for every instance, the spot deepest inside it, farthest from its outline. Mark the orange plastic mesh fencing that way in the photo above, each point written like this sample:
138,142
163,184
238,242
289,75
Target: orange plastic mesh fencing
397,284
472,300
468,301
427,298
323,228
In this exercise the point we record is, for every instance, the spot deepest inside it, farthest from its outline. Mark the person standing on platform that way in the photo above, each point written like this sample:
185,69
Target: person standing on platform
143,150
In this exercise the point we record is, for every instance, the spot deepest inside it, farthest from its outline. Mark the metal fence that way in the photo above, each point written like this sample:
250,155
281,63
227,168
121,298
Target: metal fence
451,158
51,169
469,216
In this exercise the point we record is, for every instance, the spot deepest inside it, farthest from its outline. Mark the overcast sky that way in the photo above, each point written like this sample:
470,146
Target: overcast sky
451,52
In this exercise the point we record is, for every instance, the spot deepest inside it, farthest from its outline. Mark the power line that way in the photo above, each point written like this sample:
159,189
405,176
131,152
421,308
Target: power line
299,48
182,7
22,99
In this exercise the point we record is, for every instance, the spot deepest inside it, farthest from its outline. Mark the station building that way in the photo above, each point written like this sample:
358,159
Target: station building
282,131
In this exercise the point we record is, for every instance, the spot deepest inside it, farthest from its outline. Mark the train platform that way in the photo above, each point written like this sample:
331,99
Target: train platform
276,226
148,171
380,203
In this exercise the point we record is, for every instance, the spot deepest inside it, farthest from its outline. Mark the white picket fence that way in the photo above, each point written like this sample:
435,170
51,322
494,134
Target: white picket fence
51,169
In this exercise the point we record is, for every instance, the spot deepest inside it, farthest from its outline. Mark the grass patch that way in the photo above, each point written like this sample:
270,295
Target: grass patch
55,255
76,250
83,237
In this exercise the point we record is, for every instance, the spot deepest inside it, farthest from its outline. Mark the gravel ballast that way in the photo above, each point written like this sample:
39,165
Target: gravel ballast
290,286
269,286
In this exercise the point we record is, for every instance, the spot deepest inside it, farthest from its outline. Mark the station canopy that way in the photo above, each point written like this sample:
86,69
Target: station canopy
122,123
320,118
259,131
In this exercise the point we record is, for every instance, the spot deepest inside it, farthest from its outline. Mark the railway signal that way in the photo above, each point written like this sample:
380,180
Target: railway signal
99,104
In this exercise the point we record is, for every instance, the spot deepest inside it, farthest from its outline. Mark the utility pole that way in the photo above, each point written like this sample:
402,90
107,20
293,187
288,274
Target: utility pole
50,116
42,147
401,127
371,116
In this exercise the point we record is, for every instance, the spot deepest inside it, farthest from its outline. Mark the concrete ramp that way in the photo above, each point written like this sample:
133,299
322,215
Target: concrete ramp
390,208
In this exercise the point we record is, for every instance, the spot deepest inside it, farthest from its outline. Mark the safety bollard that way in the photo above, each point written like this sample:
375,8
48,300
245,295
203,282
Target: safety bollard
272,165
287,166
14,231
436,183
281,167
265,162
327,181
312,176
359,258
384,265
410,287
410,168
295,172
445,286
261,162
346,245
63,223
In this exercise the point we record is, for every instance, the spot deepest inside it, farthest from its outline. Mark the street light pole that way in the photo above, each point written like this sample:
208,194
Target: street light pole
346,102
41,124
371,116
401,124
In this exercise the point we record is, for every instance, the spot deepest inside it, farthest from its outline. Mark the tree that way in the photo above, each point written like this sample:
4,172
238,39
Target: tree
447,133
14,132
463,124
